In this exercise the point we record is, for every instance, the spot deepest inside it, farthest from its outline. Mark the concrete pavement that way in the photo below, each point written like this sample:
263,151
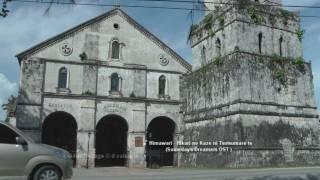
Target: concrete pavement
122,173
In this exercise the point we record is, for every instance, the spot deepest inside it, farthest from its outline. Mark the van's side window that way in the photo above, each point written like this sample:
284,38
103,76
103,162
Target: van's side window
7,136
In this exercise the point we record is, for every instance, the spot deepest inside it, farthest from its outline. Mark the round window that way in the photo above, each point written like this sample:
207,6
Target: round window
116,26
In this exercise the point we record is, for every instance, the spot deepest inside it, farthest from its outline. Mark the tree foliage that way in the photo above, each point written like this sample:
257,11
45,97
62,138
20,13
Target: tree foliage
4,11
10,106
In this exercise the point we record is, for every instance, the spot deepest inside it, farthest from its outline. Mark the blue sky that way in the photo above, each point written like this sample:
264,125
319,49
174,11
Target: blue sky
26,26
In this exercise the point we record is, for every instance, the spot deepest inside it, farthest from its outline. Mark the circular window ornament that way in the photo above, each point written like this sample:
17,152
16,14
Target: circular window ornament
66,49
163,60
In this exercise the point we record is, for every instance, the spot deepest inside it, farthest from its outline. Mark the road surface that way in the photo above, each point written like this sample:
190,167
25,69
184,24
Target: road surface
121,173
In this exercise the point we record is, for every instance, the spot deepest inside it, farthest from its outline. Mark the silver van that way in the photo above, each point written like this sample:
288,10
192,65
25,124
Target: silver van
21,158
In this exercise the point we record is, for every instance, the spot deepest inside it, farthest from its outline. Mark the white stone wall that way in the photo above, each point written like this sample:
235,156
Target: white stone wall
136,47
139,68
239,33
75,76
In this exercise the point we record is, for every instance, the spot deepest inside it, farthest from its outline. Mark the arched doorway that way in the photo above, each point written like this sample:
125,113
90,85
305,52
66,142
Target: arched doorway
111,141
160,129
59,129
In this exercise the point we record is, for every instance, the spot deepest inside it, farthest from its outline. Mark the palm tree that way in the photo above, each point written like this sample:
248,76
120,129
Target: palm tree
10,106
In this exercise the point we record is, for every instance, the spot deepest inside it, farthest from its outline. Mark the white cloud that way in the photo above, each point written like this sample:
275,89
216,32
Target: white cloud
7,89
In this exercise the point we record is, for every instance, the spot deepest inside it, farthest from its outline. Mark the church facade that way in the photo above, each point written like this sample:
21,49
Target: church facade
104,89
100,90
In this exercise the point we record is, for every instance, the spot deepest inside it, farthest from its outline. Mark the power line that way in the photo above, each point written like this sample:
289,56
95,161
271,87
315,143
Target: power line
141,6
220,3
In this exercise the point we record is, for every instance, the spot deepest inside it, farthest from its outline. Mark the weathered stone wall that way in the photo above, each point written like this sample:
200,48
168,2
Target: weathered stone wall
253,80
244,97
217,4
238,29
29,99
137,47
87,97
89,79
32,72
267,133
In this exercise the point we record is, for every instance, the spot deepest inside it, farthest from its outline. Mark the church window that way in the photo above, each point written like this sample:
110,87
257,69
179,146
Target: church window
115,81
63,78
115,50
218,47
260,43
162,85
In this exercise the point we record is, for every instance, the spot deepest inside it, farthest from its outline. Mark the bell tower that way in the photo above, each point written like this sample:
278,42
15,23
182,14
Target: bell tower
250,83
259,27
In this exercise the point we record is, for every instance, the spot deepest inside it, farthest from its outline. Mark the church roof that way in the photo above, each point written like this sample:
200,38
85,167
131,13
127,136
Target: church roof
81,26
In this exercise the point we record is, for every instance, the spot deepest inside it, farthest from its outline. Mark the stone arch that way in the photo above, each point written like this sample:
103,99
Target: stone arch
111,141
60,129
160,129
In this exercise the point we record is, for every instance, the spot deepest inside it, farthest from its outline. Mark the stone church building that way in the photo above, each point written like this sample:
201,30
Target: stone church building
102,88
106,87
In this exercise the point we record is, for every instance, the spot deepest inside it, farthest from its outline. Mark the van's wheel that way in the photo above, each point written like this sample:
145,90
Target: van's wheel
47,172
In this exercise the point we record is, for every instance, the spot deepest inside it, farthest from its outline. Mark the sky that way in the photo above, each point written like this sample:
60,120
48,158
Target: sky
27,25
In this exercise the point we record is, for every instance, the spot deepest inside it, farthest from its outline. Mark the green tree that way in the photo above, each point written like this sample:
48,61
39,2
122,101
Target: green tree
10,106
4,11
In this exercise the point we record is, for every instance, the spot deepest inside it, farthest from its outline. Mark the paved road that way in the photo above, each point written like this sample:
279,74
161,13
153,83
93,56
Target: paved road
121,173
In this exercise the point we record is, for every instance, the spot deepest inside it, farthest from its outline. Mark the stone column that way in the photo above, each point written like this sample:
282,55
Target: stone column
86,132
177,155
137,150
136,139
85,149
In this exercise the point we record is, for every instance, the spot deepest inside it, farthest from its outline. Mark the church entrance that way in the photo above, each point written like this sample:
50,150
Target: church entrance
161,129
59,129
111,141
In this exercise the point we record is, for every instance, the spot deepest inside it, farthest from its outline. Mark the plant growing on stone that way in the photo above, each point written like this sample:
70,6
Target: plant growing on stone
132,95
83,56
299,63
286,13
208,21
221,21
260,60
88,93
300,34
218,61
277,65
255,16
211,33
280,75
244,3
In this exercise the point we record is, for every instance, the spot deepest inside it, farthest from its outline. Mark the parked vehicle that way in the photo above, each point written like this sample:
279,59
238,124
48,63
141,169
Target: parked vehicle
22,158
